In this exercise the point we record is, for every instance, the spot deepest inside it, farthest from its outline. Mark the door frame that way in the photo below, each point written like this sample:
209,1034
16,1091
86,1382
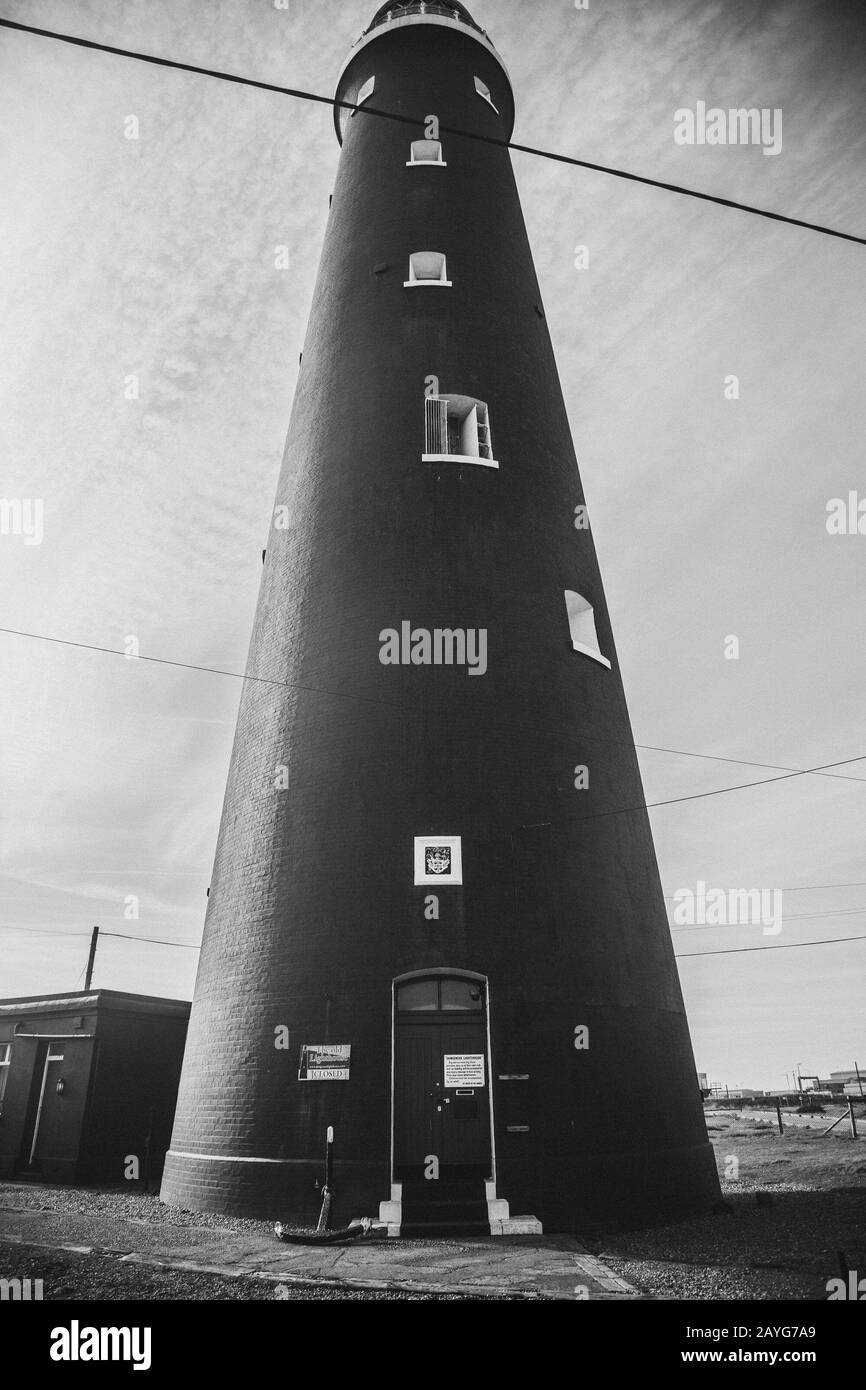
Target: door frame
445,970
50,1056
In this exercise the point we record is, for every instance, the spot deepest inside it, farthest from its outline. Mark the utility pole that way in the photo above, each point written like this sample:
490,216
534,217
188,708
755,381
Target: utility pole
859,1078
88,974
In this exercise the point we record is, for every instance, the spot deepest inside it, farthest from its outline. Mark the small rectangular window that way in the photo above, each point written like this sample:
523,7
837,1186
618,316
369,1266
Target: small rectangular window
581,622
457,428
427,268
484,91
426,152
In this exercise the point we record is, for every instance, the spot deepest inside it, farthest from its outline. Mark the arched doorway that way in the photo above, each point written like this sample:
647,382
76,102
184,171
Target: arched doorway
442,1095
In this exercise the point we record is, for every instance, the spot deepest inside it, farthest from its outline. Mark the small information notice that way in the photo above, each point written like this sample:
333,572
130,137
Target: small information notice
325,1062
464,1068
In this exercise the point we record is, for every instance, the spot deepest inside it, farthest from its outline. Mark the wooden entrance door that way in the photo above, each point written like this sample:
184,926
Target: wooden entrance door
45,1112
441,1095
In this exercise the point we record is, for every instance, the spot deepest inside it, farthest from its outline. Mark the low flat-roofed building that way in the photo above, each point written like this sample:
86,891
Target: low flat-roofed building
88,1082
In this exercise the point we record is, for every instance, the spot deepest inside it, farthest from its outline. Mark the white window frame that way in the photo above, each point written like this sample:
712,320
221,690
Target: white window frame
475,424
414,281
484,92
413,163
5,1064
453,843
365,90
581,624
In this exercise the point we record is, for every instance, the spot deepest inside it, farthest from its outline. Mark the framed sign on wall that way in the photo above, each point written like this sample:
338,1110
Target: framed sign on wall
438,859
324,1062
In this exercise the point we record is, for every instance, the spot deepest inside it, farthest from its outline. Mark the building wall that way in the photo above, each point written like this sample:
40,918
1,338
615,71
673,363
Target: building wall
126,1059
136,1070
312,908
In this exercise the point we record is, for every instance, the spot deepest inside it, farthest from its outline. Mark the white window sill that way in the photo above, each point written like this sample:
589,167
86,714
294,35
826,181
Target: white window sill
413,284
591,651
426,164
459,458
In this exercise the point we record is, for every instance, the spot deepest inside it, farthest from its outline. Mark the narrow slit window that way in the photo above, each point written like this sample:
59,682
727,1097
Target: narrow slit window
365,90
484,91
457,428
581,621
426,152
427,268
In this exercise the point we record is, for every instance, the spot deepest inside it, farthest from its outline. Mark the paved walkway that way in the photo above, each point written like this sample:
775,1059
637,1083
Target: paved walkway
533,1267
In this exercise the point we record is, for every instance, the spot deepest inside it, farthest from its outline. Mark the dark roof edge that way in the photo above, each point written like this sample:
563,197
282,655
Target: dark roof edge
89,999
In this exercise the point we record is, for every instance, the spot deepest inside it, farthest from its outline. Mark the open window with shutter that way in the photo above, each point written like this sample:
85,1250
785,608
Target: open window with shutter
364,91
426,152
457,429
581,621
426,268
484,91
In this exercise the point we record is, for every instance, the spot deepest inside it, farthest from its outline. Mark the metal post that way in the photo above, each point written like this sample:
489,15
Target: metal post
88,976
145,1177
859,1078
838,1120
329,1156
325,1213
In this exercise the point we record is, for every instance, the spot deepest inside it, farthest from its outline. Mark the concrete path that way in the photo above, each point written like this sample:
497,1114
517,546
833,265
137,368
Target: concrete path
533,1267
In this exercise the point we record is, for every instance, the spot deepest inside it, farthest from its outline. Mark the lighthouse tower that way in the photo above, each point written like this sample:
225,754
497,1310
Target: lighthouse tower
435,924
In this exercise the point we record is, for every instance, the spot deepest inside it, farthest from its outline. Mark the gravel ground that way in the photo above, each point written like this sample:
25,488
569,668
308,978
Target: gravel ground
129,1203
798,1203
796,1214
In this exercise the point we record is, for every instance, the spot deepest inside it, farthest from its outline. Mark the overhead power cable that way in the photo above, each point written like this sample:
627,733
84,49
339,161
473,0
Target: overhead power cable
694,796
745,762
729,951
154,941
786,917
40,931
122,936
188,945
370,699
786,946
390,704
802,888
368,110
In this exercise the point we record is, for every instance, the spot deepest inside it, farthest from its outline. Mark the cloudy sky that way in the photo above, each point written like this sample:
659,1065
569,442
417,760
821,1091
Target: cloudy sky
153,258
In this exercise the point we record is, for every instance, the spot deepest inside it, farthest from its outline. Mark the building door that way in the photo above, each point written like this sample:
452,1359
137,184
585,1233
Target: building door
45,1110
441,1085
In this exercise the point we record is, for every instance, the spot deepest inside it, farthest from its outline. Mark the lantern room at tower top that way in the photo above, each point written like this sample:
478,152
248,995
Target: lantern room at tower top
395,18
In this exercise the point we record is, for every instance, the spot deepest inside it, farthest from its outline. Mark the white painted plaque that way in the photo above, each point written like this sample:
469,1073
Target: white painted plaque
464,1068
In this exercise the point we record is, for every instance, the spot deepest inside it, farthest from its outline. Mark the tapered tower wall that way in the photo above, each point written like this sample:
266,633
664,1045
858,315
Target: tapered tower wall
313,909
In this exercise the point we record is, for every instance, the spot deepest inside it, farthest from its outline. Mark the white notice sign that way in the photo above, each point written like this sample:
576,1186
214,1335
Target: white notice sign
464,1069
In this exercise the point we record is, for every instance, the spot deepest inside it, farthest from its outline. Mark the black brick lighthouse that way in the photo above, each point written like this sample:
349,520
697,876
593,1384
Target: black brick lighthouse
435,922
